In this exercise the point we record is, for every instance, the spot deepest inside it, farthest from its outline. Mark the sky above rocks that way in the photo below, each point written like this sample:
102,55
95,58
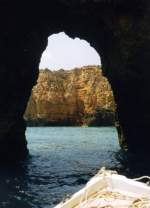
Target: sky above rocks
67,53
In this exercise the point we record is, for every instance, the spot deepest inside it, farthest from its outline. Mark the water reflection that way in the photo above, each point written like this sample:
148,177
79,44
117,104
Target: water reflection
25,185
62,161
13,186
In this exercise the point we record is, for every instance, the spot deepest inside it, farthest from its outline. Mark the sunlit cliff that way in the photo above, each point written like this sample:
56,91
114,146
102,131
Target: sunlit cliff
81,96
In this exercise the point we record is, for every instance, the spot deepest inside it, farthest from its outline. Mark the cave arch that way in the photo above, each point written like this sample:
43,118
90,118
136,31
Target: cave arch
117,29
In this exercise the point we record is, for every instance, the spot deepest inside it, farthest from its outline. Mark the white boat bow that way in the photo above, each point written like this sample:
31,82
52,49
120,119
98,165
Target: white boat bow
108,189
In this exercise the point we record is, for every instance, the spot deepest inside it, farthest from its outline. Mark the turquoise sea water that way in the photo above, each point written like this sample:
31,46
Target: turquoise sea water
62,160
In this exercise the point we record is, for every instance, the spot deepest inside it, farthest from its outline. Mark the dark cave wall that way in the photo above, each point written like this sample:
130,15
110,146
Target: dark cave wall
118,29
130,75
121,34
21,46
19,60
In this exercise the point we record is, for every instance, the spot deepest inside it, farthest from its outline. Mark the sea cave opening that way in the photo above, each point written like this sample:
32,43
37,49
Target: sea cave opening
61,159
71,95
71,89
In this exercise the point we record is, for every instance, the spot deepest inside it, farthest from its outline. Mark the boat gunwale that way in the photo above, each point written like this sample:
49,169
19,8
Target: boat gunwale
111,182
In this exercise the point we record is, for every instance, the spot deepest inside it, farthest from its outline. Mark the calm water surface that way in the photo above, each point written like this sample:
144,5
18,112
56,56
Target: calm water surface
61,161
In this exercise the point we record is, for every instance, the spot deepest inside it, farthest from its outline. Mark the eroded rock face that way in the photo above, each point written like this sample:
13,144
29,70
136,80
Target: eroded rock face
120,32
81,96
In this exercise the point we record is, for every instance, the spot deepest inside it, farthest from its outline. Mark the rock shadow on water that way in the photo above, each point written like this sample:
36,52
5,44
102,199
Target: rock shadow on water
14,186
133,165
11,185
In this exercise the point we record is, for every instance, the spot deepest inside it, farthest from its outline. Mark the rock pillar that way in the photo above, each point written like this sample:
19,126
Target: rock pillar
126,62
19,59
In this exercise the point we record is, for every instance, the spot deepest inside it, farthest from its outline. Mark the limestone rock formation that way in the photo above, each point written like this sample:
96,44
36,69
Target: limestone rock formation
81,96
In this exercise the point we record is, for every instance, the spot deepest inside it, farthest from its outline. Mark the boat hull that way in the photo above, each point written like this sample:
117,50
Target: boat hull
109,189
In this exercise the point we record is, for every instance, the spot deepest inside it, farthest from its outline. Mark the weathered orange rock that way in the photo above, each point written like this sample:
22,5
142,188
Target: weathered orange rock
73,97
